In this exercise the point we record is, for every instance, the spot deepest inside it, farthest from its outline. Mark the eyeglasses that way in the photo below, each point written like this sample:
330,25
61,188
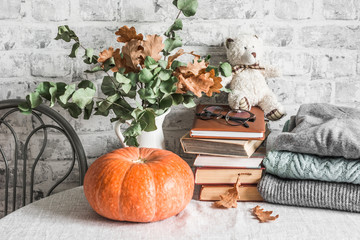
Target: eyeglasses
232,117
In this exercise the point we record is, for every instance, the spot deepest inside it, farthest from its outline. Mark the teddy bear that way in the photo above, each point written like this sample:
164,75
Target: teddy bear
248,81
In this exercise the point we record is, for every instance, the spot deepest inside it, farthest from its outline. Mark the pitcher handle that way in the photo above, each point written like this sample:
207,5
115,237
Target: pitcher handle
119,134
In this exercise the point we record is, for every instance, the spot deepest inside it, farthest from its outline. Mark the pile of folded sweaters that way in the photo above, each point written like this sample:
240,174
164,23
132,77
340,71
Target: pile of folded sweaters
316,160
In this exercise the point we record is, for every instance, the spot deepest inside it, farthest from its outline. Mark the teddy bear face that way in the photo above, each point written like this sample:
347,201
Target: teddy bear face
244,50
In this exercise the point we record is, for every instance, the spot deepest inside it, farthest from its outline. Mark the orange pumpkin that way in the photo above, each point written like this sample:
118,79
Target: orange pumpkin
139,184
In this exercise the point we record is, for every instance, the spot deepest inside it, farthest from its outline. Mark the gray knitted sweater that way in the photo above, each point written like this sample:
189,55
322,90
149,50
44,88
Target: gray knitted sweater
308,193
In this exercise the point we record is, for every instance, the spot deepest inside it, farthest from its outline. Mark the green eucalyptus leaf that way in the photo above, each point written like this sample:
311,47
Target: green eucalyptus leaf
106,104
137,113
89,57
121,78
167,87
146,93
166,102
175,64
156,70
74,110
163,63
188,7
224,89
177,98
165,74
133,130
149,119
87,84
88,110
109,64
177,25
126,88
43,89
25,108
56,90
225,69
189,101
83,97
134,78
150,62
145,75
171,44
131,141
70,89
108,87
74,50
34,99
95,69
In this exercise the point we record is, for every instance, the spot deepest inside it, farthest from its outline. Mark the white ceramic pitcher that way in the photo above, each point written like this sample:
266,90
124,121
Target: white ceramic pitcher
154,139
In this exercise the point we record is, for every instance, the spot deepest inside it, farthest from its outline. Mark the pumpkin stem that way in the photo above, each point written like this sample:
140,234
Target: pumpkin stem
139,160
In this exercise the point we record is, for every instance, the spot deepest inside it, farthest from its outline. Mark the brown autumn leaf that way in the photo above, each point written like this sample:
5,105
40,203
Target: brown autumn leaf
173,57
105,55
126,34
108,53
229,199
263,216
217,84
153,45
195,84
132,52
193,68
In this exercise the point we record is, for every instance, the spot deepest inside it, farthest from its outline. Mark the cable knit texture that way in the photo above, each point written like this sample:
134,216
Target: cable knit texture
305,166
307,193
323,129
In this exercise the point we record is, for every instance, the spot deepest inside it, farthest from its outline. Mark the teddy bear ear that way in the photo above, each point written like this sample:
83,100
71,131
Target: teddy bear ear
228,41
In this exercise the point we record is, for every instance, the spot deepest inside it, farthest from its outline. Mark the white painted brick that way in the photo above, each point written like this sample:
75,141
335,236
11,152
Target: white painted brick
332,65
294,9
286,89
195,34
274,36
331,36
50,65
315,91
289,62
230,9
140,11
55,10
13,64
10,9
99,10
340,9
347,91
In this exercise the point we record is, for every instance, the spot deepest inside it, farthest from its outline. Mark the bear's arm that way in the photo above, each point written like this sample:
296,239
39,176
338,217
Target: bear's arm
271,72
226,80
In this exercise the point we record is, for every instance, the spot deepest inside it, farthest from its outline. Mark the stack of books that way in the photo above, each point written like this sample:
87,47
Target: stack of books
225,151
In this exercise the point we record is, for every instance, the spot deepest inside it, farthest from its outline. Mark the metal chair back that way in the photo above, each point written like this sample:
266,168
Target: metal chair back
20,152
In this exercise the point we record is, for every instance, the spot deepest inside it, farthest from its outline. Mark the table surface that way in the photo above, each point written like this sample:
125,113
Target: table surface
67,215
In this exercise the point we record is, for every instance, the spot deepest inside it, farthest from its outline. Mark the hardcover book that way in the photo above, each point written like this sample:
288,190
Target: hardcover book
206,175
220,129
220,147
248,193
231,162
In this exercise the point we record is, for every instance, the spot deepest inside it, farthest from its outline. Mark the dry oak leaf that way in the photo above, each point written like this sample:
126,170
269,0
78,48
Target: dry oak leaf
216,83
193,68
126,34
153,45
173,57
108,53
195,84
132,52
229,199
263,216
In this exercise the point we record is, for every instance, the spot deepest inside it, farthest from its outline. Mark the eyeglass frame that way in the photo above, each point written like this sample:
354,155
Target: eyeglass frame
242,121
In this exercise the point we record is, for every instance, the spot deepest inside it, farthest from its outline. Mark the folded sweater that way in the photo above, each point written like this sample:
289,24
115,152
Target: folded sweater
307,193
305,166
323,129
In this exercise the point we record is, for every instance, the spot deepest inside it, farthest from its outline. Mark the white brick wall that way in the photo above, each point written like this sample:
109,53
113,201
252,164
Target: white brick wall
316,43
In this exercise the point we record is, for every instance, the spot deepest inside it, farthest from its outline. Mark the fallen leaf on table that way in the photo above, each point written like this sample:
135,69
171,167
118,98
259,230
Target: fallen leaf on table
153,45
263,216
229,199
126,34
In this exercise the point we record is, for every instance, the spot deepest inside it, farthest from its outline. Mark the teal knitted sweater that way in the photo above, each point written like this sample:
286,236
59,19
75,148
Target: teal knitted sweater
305,166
